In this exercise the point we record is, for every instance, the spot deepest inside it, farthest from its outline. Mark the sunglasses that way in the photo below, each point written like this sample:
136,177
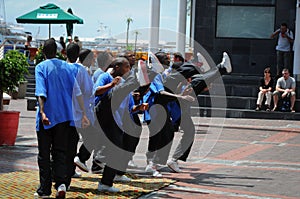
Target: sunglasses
267,71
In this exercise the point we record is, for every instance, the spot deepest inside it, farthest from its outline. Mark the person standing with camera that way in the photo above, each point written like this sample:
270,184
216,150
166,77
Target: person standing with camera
284,48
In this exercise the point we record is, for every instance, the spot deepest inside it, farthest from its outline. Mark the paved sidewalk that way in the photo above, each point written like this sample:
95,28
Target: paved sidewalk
231,158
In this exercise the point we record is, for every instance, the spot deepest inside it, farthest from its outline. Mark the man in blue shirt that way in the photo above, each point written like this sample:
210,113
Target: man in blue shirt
89,135
104,59
54,90
104,88
85,87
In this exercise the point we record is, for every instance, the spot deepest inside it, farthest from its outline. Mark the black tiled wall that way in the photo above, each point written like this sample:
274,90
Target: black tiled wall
249,56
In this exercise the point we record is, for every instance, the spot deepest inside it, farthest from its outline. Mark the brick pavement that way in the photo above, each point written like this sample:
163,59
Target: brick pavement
231,158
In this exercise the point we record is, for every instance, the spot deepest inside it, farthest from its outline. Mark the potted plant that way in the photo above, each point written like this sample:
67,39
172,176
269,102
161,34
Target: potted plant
13,67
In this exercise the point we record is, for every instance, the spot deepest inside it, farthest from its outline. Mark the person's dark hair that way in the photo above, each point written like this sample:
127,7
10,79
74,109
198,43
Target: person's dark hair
50,48
176,65
284,24
162,58
29,38
73,52
117,62
104,59
285,70
142,89
83,54
179,56
267,70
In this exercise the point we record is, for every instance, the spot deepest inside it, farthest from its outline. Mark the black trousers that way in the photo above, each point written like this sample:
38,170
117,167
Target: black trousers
114,153
73,139
112,135
132,133
161,133
83,154
200,81
91,141
183,149
53,142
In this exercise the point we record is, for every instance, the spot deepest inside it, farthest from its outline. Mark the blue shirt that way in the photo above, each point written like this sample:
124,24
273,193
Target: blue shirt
174,110
155,87
96,74
123,109
103,79
86,89
55,80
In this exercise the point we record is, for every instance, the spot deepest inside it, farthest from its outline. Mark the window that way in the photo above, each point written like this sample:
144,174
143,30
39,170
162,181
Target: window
236,19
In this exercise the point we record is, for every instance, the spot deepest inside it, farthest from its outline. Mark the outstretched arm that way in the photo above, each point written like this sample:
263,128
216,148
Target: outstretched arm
184,97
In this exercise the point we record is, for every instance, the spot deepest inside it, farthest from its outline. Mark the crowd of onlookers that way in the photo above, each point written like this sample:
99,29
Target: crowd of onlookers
280,88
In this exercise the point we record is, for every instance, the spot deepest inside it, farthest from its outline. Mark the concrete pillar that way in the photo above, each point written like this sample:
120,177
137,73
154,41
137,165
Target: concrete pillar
297,43
181,27
154,25
193,14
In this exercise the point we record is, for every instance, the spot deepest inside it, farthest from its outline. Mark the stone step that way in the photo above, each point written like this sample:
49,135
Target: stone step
30,94
233,102
245,86
243,113
31,103
216,112
31,85
31,69
30,90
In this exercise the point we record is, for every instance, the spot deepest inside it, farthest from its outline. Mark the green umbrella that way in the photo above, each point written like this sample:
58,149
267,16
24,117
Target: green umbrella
49,14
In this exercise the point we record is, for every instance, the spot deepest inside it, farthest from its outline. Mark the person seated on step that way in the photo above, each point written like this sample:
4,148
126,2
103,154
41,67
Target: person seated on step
265,89
285,87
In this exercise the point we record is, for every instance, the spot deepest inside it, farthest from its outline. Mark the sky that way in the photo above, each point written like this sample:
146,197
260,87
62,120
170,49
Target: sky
111,14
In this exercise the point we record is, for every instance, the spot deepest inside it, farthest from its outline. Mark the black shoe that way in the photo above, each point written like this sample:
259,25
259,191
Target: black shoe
96,168
268,108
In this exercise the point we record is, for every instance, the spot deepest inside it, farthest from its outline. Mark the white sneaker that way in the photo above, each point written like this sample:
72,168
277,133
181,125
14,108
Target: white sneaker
157,174
152,168
149,167
173,165
226,63
122,178
37,196
105,188
61,191
77,175
80,164
131,164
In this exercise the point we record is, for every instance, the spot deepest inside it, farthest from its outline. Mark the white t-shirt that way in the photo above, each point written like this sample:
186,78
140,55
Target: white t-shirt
283,43
286,84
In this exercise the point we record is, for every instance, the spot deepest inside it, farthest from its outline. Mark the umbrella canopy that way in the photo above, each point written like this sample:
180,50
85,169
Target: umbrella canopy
49,14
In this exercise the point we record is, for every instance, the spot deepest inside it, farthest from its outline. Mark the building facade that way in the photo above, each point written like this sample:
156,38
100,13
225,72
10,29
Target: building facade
242,28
